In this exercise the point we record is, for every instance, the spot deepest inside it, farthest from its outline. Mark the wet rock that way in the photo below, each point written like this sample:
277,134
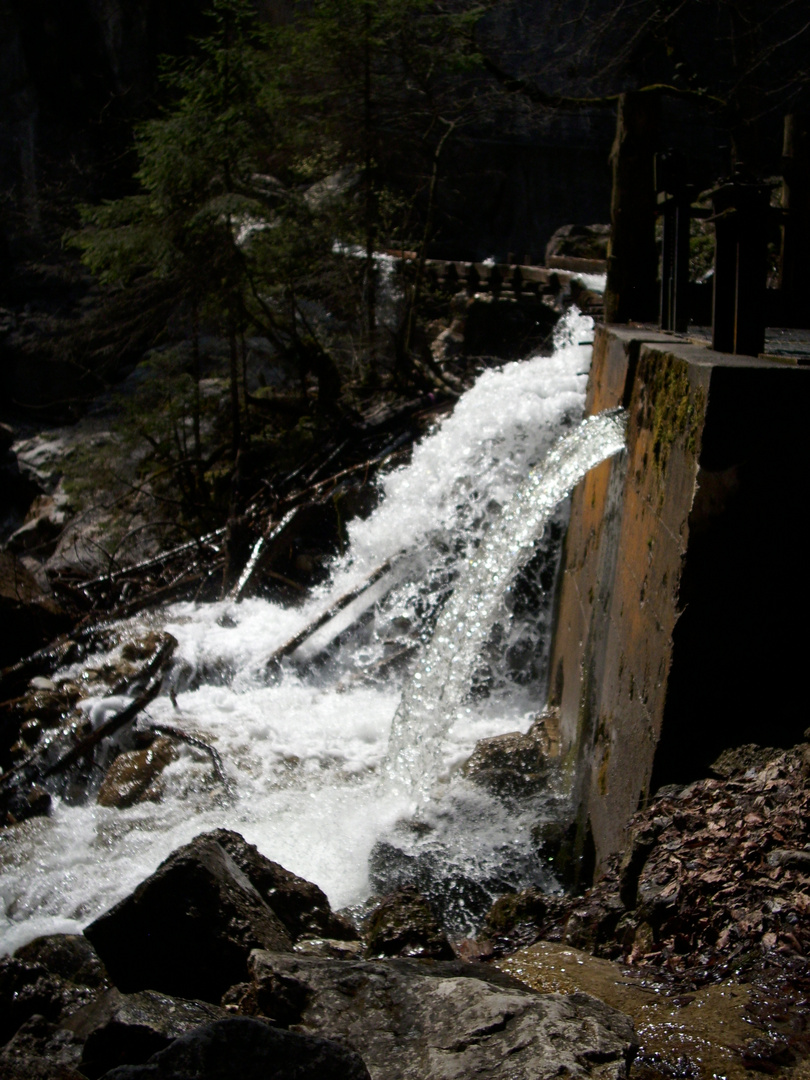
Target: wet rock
132,777
41,1051
403,924
300,905
251,1050
189,928
526,906
409,1018
510,764
70,956
280,998
332,947
127,1029
28,989
591,925
455,895
140,648
20,805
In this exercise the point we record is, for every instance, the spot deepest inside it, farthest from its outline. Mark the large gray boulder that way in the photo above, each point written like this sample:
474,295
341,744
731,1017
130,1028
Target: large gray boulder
432,1020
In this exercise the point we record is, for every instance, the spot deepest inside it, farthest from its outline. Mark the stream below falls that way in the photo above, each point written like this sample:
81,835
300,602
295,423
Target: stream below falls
343,762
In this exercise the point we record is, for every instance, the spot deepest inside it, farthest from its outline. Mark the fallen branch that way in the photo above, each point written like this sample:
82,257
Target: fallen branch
326,616
200,744
258,547
35,766
155,671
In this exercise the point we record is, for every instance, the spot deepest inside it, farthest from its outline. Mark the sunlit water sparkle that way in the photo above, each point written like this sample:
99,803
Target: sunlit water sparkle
307,752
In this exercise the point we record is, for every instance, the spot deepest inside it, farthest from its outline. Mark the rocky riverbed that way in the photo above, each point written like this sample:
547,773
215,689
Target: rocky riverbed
224,959
688,959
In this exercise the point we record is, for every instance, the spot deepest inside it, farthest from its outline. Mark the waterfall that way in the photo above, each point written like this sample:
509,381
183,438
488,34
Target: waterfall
317,786
441,682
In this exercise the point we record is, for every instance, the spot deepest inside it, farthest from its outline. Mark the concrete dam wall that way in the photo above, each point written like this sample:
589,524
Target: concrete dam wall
680,624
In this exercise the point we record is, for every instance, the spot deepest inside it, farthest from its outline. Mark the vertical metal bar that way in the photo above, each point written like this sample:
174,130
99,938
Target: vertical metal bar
680,269
725,283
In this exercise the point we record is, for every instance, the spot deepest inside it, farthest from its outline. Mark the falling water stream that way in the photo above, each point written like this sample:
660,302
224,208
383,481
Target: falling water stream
344,763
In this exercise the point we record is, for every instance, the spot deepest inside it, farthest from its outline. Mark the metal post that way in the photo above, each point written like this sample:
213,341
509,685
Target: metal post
674,199
741,212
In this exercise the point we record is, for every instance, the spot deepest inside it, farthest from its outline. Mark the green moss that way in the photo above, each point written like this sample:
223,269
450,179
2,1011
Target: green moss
674,410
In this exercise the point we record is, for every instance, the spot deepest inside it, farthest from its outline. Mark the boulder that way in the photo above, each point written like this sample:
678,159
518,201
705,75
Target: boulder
132,777
435,1020
403,924
127,1029
189,928
511,764
302,907
251,1050
68,956
22,803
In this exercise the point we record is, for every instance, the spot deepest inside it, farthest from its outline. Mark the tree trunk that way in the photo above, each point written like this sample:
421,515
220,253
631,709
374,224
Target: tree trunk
368,195
632,292
236,425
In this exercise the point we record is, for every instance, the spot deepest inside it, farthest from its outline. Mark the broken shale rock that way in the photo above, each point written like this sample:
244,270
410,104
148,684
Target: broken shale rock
433,1020
189,928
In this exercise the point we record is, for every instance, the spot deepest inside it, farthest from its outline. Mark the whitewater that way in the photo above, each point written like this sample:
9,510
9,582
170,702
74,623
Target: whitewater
315,784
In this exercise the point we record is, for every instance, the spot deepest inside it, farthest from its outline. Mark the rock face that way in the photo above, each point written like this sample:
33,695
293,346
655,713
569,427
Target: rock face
251,1050
418,1020
189,928
41,1051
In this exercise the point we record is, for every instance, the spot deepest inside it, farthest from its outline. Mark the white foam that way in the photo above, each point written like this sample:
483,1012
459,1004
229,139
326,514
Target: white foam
304,753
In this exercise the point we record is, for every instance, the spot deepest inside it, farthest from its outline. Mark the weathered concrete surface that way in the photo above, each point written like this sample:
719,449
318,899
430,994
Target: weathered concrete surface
679,575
